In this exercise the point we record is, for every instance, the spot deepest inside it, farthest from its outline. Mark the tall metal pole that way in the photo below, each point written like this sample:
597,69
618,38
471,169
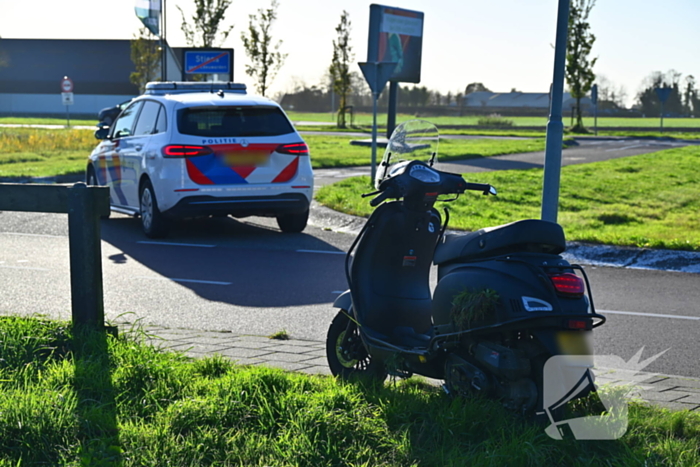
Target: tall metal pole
555,126
594,99
375,98
164,41
393,103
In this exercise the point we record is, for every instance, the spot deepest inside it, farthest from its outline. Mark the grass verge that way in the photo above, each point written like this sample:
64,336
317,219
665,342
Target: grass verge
650,200
35,152
47,121
365,119
78,397
336,151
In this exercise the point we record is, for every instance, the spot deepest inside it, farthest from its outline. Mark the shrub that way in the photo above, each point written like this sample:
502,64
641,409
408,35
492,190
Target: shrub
495,121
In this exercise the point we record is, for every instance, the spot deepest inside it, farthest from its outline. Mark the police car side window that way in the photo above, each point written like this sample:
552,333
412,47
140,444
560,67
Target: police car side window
161,123
125,123
146,124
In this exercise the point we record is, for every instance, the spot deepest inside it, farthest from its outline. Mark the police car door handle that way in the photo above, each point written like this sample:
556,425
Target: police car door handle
138,147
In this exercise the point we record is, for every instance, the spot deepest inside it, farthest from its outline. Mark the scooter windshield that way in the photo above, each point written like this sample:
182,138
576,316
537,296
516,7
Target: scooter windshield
410,141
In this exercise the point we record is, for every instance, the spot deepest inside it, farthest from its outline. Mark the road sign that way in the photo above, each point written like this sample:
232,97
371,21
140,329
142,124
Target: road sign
377,74
663,93
67,98
208,61
66,84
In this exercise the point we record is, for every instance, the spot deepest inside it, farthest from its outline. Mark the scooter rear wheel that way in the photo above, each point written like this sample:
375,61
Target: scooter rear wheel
348,358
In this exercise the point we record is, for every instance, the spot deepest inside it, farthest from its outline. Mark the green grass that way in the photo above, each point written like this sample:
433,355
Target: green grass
78,398
35,152
365,119
650,200
336,151
47,121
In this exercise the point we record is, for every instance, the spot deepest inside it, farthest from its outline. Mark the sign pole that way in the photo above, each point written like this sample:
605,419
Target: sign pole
375,98
376,74
594,99
663,94
67,96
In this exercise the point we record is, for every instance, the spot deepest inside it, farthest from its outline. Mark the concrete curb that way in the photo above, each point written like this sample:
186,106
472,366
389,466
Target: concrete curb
595,255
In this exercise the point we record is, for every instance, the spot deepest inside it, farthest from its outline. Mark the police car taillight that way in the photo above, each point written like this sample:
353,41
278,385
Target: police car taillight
181,150
293,149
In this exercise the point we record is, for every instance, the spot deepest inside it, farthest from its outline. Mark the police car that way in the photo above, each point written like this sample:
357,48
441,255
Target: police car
186,149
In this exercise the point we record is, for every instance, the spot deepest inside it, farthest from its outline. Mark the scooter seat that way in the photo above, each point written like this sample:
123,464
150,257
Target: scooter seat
530,235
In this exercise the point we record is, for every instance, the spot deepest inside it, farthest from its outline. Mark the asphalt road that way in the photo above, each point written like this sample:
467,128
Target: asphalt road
586,150
249,278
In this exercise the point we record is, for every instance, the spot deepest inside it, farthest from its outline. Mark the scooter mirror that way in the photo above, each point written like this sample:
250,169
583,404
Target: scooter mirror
493,191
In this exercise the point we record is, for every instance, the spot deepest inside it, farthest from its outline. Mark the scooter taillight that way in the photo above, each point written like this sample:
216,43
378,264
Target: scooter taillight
568,284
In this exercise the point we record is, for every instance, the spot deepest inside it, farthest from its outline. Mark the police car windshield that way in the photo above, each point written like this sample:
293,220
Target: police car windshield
220,121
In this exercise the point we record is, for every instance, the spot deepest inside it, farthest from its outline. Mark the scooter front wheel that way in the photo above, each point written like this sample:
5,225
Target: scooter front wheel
347,356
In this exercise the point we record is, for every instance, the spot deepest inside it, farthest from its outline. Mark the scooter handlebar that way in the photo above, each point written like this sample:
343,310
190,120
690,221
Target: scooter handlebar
485,188
379,198
455,183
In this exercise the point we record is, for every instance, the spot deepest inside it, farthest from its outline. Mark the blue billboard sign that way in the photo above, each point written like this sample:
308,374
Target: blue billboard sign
208,61
396,35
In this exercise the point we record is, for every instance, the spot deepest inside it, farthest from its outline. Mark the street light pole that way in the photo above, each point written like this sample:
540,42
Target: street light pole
555,125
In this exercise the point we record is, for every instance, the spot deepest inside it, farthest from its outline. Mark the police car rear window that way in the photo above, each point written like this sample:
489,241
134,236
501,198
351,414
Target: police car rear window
233,121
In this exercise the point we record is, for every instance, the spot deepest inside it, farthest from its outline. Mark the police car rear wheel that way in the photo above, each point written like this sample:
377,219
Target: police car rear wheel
293,223
153,223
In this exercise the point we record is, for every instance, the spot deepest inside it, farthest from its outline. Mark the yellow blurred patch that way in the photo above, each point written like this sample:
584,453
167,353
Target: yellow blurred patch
252,157
574,342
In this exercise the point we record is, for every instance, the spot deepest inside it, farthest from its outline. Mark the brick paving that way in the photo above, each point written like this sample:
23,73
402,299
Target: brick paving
671,392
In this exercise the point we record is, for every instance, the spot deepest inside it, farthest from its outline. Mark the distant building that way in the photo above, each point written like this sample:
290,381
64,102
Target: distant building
99,69
498,101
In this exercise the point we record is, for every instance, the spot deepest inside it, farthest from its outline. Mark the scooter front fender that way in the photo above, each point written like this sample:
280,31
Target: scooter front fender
344,301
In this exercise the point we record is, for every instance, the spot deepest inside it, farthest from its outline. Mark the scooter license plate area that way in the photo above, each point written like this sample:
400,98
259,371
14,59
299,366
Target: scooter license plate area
574,342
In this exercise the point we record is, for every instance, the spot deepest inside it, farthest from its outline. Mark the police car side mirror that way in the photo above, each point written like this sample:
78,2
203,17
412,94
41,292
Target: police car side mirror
102,133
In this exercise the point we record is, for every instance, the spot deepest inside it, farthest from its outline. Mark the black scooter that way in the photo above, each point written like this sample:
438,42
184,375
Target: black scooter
505,300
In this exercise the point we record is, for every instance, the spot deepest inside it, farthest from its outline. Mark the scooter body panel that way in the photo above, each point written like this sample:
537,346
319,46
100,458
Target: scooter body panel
520,282
390,268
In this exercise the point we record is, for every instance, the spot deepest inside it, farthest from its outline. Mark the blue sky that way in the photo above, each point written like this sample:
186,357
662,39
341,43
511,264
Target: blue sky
502,43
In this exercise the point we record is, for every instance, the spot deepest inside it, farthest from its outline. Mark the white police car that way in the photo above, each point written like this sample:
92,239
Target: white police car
187,149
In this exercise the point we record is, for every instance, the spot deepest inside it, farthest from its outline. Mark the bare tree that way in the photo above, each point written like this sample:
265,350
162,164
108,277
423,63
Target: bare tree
579,67
265,58
145,55
206,23
609,95
340,66
648,100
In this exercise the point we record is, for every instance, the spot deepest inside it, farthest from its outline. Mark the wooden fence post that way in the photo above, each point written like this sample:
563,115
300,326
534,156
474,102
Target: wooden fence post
84,205
85,256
